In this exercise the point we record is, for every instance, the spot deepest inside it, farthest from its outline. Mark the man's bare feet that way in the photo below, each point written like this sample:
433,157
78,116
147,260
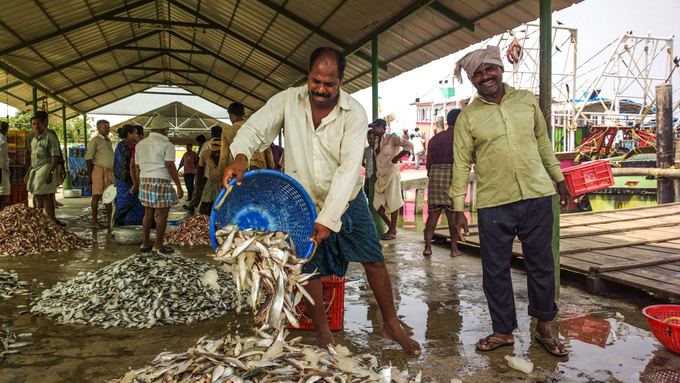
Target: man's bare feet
97,225
455,252
324,338
427,252
397,334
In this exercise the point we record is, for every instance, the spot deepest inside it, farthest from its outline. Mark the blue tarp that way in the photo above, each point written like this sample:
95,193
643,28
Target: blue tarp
76,164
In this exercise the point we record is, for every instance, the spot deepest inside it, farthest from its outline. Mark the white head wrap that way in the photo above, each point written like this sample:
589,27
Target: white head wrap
470,62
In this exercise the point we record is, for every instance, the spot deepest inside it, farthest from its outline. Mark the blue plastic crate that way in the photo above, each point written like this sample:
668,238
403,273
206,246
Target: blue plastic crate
267,200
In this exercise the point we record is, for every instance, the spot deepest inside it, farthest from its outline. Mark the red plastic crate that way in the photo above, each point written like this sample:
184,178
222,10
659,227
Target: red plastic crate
588,177
333,302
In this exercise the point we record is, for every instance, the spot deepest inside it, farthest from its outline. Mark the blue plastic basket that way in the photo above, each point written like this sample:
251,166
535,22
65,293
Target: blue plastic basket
267,200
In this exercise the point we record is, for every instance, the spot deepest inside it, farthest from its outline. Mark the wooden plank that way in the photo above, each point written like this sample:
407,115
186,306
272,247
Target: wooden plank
642,283
633,265
653,273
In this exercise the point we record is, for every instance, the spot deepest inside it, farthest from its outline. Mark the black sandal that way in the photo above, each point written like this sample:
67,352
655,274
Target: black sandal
492,342
146,249
553,346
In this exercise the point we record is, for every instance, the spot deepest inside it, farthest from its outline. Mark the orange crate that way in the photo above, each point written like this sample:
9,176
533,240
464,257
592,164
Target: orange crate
588,177
333,302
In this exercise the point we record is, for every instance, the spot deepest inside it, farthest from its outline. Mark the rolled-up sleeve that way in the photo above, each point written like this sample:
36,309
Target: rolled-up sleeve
260,130
462,157
345,176
545,150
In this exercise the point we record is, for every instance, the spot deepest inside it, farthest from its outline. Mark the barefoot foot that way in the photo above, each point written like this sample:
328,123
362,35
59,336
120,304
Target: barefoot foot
398,335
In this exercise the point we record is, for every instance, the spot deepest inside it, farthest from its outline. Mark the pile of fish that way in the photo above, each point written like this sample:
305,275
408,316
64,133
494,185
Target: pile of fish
9,342
25,230
265,358
193,231
265,265
141,291
11,285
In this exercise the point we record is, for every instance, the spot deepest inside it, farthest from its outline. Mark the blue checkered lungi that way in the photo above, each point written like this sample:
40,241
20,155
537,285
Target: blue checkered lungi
156,193
357,241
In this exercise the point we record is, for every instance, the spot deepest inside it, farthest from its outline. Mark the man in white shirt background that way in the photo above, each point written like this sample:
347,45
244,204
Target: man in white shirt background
155,166
325,130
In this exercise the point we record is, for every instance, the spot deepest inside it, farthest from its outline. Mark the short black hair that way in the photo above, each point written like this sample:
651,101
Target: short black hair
339,59
125,130
40,115
140,130
200,139
237,109
4,125
216,131
452,116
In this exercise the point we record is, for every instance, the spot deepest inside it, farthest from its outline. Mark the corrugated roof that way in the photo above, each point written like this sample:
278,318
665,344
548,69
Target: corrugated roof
87,53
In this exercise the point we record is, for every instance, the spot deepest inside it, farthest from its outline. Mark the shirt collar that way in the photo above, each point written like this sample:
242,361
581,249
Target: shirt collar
103,136
343,97
158,135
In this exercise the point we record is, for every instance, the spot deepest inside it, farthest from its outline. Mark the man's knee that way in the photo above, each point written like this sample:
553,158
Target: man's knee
374,266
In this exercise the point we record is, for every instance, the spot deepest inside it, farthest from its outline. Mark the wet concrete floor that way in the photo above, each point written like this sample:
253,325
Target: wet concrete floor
440,299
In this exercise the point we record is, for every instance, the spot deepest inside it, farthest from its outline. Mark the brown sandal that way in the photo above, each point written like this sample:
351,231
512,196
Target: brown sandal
553,346
492,342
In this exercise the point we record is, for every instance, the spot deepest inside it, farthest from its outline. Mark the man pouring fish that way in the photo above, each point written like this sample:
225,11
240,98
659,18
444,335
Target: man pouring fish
325,130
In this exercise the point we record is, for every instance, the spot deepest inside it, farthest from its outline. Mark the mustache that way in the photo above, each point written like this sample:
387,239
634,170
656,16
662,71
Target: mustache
324,95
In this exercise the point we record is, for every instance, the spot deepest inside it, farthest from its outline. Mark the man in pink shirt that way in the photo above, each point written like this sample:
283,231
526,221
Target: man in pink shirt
190,163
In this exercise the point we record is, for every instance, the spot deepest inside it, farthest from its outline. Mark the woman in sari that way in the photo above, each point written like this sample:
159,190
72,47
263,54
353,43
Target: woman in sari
129,211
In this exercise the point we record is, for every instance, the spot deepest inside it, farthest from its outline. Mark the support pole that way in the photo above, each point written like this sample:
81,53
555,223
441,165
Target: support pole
379,224
374,77
676,182
664,141
545,102
34,101
85,128
67,175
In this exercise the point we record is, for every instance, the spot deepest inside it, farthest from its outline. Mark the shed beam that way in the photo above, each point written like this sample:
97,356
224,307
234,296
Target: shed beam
109,73
220,94
435,38
29,81
389,23
228,62
157,22
237,36
225,82
71,28
172,83
94,54
317,30
94,96
166,50
453,16
171,70
10,85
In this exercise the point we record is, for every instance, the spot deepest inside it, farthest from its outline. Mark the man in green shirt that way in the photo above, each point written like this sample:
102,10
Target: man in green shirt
504,133
41,179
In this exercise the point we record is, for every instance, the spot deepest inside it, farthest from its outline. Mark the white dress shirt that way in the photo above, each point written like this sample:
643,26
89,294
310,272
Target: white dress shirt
326,161
151,154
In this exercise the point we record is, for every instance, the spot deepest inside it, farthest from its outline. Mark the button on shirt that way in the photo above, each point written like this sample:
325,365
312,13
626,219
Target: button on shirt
326,161
513,156
151,154
100,151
